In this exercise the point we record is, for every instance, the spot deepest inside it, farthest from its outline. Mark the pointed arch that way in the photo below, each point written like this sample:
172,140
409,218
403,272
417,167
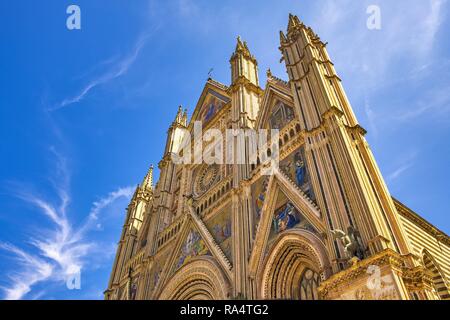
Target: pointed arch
298,255
201,279
275,92
193,224
279,183
308,285
214,89
438,278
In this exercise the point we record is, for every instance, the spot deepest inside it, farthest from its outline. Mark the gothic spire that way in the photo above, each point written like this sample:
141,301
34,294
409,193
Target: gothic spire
243,64
240,47
147,184
180,118
295,25
282,37
242,50
185,117
293,22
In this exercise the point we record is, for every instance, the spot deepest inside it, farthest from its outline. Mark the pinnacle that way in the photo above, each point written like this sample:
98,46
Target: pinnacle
179,116
294,22
185,117
148,180
240,46
282,37
242,49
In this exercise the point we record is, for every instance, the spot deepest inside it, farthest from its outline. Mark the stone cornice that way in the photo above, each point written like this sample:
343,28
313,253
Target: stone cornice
218,84
418,278
308,66
421,222
243,81
273,79
386,257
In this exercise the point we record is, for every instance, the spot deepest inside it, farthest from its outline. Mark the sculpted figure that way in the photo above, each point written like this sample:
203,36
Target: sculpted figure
350,242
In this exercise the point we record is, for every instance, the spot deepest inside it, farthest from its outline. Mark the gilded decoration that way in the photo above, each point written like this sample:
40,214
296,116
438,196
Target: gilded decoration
212,105
220,228
286,216
295,166
193,246
227,230
207,176
259,192
282,114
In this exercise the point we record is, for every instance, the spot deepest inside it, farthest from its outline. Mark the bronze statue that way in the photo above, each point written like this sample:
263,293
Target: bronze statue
350,242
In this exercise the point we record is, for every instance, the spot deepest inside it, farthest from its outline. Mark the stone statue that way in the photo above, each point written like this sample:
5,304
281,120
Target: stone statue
350,242
189,202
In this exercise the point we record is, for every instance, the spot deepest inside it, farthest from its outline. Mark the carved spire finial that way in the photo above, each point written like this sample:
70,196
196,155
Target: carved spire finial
179,116
185,117
282,37
292,22
240,46
147,184
242,49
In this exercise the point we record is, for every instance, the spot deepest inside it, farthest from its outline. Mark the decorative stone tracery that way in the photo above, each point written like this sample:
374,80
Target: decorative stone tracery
327,180
296,252
201,279
206,178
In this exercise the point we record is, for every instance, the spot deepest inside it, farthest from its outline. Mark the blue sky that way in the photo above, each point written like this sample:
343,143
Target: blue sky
83,113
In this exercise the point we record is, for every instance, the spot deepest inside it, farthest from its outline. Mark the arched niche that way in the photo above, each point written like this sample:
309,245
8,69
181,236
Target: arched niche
438,280
297,258
201,279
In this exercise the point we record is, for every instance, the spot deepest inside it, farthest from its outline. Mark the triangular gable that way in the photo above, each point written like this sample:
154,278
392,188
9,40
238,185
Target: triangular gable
304,213
194,240
286,216
274,92
219,225
193,246
157,268
212,99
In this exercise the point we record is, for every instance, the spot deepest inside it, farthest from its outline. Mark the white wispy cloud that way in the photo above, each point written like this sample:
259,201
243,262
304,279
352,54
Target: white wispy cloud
394,175
36,270
60,250
117,69
410,35
406,163
103,203
432,22
374,62
434,103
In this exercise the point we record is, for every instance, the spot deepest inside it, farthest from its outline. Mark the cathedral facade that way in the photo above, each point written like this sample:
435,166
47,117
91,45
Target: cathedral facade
321,225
